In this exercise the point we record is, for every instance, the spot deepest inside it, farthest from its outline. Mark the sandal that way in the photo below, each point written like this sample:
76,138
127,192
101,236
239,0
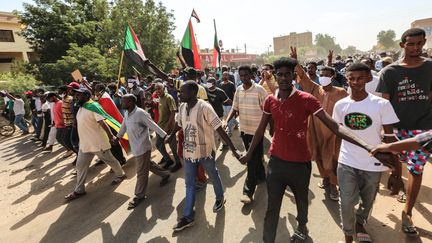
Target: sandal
299,235
118,180
363,237
135,202
401,198
407,225
74,195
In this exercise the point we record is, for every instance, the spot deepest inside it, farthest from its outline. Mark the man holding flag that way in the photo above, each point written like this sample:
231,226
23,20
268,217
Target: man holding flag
95,139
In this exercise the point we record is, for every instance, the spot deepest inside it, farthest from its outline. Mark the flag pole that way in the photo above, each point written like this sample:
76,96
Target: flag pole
120,68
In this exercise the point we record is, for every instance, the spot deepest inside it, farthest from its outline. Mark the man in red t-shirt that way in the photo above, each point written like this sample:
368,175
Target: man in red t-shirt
289,163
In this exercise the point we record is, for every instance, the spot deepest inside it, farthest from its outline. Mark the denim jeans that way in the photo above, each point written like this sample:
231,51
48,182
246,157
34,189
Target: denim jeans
190,173
233,122
21,124
355,184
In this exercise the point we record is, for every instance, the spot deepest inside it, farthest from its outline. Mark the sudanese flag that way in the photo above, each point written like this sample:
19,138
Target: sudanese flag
188,52
132,48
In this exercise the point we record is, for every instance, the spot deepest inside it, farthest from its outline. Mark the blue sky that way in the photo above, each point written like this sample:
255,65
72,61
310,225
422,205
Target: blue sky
255,23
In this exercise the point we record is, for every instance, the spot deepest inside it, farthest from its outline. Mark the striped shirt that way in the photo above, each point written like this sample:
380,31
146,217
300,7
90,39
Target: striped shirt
198,127
249,104
68,116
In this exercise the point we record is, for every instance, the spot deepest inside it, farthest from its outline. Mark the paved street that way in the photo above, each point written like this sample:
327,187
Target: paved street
32,207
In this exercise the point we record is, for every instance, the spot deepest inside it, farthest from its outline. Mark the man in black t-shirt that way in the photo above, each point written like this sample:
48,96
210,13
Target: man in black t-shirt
408,85
230,89
217,97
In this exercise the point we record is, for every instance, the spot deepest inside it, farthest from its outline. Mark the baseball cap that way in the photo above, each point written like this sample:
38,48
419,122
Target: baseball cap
28,92
73,85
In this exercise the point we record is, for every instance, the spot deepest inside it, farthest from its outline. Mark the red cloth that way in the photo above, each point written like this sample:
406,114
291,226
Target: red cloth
155,105
57,111
290,118
109,106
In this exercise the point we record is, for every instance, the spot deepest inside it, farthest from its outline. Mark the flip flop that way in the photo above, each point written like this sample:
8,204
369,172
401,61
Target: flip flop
363,237
408,226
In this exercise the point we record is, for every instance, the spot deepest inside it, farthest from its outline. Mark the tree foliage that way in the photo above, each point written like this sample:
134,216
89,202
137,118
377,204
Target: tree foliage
386,39
89,35
327,42
17,82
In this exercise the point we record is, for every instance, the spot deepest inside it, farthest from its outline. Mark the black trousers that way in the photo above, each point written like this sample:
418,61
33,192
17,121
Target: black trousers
64,137
46,128
281,174
255,167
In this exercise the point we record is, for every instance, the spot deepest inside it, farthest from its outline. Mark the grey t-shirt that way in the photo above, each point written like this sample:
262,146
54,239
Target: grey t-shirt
409,90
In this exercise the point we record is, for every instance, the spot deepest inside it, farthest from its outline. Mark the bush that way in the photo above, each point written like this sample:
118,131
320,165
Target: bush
17,83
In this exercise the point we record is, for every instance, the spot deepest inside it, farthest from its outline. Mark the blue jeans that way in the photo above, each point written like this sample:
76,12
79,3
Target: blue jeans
19,121
233,122
190,174
356,185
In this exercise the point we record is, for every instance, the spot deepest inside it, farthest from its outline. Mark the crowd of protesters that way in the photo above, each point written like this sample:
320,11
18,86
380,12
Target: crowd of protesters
337,113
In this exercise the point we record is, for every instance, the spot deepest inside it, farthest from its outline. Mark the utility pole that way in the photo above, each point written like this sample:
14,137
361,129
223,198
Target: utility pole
245,48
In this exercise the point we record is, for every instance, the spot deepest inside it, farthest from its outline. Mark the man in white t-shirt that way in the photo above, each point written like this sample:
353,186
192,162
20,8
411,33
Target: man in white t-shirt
19,112
359,173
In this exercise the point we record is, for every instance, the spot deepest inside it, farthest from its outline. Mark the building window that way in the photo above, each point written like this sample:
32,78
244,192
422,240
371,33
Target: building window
6,60
6,36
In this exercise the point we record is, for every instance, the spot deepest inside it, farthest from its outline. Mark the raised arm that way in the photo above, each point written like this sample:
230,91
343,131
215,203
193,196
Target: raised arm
305,82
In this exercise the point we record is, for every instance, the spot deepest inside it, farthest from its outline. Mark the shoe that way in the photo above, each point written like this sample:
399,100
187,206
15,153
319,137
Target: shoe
167,165
200,185
25,133
176,167
74,172
48,149
219,204
74,162
246,199
118,180
334,193
66,154
164,180
183,224
34,139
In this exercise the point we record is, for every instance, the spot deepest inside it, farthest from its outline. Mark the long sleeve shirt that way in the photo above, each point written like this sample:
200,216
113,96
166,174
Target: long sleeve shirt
137,124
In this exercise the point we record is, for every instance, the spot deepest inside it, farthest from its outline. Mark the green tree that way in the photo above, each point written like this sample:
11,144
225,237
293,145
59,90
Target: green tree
386,39
349,51
65,32
327,42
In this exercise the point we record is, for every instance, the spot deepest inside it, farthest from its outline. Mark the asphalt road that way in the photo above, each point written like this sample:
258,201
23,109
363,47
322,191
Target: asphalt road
32,207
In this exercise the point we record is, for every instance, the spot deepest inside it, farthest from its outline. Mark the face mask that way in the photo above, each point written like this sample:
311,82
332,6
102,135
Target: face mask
130,85
62,96
209,85
324,81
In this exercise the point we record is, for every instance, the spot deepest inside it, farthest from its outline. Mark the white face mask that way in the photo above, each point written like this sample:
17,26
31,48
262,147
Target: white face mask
209,85
130,85
62,95
324,81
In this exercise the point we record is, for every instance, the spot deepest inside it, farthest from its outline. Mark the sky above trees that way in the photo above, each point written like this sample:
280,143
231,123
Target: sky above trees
257,22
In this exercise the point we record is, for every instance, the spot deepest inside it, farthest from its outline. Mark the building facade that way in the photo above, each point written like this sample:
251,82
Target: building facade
282,44
12,46
425,24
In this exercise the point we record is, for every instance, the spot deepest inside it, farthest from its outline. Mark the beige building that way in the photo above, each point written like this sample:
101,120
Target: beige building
12,46
282,44
425,24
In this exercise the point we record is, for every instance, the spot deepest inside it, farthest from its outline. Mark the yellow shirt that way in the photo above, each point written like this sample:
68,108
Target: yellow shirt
202,93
